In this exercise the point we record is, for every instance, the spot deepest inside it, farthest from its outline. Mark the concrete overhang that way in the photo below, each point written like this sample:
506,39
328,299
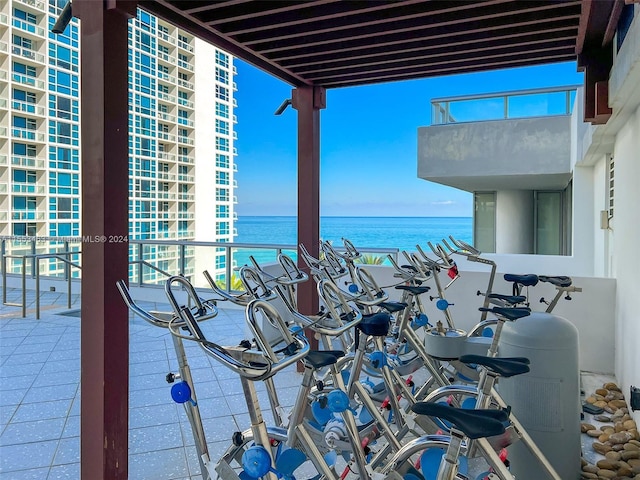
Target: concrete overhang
511,154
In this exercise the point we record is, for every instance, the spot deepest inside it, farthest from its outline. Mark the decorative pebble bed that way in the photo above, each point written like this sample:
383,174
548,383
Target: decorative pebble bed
615,437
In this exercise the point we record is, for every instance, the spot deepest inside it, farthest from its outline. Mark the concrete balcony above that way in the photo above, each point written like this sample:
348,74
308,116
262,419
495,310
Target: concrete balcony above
526,145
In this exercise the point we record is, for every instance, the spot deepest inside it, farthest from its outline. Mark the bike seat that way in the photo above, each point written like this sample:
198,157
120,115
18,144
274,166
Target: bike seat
510,313
473,423
513,299
505,367
318,359
557,281
415,289
528,280
393,307
375,324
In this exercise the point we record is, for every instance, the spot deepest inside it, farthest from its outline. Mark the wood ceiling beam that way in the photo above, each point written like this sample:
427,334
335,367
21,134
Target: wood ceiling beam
245,15
210,6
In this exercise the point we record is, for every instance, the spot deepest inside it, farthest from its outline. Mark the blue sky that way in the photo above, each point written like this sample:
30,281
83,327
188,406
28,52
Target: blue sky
368,144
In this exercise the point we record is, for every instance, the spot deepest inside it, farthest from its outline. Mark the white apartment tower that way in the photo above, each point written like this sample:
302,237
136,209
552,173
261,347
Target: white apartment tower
181,134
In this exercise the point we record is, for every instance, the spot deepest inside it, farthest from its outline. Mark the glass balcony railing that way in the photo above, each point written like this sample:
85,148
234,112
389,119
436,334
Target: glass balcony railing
27,215
27,134
166,196
185,84
186,159
185,140
3,188
185,103
185,121
27,53
167,136
185,45
167,156
166,76
501,106
185,65
3,216
186,215
27,188
27,107
25,161
4,19
3,74
166,97
186,178
166,176
28,80
167,58
4,47
167,116
3,160
3,131
190,197
37,4
28,27
166,37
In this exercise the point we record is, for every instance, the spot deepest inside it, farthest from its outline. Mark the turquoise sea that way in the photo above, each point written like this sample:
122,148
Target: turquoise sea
403,233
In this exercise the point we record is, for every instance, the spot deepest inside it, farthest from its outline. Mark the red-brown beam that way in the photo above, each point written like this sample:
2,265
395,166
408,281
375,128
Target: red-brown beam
105,172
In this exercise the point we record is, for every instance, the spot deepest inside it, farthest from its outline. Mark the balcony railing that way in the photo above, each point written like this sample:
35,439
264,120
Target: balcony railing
167,156
185,121
28,53
4,47
185,140
27,215
166,176
3,160
27,134
186,233
3,74
185,65
185,103
185,84
3,216
185,45
167,116
186,215
28,27
167,136
25,161
167,77
27,107
501,106
166,97
186,159
166,37
167,58
3,131
28,80
166,196
27,188
4,19
186,178
3,188
37,4
166,216
186,196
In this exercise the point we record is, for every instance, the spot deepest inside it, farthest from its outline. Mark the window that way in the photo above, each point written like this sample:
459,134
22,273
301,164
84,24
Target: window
222,211
24,176
24,203
64,207
222,59
222,110
222,127
27,17
222,228
222,161
548,221
222,194
222,144
222,93
21,95
183,117
22,42
484,221
222,178
22,229
222,76
24,150
28,70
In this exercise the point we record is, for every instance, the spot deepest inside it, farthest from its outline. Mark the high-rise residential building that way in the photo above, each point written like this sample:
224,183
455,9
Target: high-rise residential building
181,134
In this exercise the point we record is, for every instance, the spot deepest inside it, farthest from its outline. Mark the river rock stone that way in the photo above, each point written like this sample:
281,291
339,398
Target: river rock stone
617,403
619,427
602,418
613,456
631,445
603,438
602,404
635,433
609,409
607,464
602,391
606,473
611,386
585,427
588,475
618,447
595,433
624,472
635,442
634,462
609,430
629,454
619,437
601,447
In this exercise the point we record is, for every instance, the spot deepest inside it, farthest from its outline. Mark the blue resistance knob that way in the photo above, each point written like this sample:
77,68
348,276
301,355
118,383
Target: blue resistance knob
181,392
442,304
377,359
353,288
256,461
420,321
337,401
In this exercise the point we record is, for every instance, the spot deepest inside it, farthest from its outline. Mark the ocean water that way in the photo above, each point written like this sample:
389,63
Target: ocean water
403,233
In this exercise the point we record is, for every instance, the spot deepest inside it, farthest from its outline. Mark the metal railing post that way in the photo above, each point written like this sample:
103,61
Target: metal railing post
69,282
24,287
36,260
33,252
140,249
228,268
4,272
182,259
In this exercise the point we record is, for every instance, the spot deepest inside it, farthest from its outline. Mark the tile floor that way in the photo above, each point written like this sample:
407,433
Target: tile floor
40,394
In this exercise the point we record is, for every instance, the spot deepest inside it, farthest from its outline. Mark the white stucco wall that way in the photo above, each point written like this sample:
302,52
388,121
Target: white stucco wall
626,253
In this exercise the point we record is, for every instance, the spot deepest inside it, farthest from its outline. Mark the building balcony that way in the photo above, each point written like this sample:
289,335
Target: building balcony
186,215
166,58
235,119
166,97
167,117
186,46
28,134
27,215
4,47
3,131
27,107
28,188
186,178
186,233
166,216
190,197
185,65
185,140
3,75
28,53
166,176
4,19
3,188
28,81
167,136
4,216
37,4
186,122
502,150
185,103
186,159
165,37
185,84
167,156
31,162
3,160
165,196
28,27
